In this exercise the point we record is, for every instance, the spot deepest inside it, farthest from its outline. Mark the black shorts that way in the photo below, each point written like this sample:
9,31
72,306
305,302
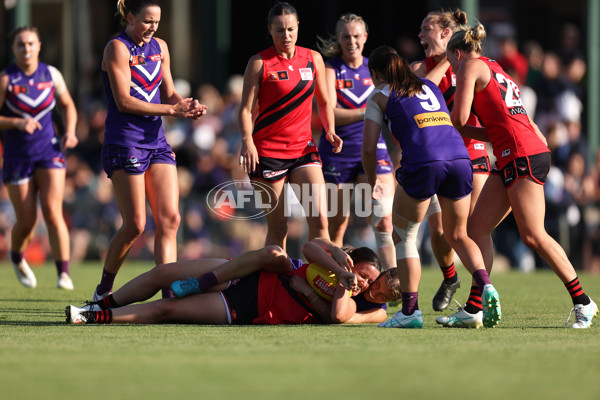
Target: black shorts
535,166
481,165
242,300
276,169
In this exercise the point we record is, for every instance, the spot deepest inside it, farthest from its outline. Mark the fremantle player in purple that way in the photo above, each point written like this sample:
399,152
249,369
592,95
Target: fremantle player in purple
34,163
349,85
136,156
434,161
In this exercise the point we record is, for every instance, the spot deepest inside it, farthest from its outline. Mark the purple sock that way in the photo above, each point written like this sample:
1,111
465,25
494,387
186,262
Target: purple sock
207,281
106,283
62,266
410,302
16,257
481,278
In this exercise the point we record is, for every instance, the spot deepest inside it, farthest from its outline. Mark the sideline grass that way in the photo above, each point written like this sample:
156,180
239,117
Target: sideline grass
529,355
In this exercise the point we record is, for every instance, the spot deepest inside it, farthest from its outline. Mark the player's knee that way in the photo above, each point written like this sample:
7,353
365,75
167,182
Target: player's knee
407,245
531,240
169,222
272,253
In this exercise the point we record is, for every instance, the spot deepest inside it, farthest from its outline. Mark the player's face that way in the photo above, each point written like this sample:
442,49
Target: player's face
142,26
366,274
26,48
352,38
379,291
431,38
284,31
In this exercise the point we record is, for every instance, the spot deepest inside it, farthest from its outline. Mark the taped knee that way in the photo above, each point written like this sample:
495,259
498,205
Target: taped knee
407,247
381,208
434,207
383,239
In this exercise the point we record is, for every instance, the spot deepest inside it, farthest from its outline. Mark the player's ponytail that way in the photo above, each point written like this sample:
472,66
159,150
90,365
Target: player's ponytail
395,71
453,20
468,40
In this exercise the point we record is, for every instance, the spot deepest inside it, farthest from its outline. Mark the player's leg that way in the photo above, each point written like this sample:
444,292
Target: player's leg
23,196
407,215
381,220
130,195
270,258
207,308
51,186
444,255
275,216
339,204
527,200
309,179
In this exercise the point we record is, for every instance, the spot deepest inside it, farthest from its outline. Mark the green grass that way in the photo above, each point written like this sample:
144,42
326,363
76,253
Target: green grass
529,355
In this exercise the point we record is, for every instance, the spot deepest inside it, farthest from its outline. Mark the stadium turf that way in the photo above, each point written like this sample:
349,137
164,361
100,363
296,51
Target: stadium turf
531,354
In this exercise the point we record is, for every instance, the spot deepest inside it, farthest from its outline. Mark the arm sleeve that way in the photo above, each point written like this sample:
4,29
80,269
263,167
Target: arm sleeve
374,112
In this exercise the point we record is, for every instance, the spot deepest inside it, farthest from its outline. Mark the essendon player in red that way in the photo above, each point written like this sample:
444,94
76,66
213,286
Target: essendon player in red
275,113
522,164
271,289
436,30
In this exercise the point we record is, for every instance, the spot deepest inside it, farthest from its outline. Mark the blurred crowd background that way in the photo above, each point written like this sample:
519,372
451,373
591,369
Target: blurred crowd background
552,79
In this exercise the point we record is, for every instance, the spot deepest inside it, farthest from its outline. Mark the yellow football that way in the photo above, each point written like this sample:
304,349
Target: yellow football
323,281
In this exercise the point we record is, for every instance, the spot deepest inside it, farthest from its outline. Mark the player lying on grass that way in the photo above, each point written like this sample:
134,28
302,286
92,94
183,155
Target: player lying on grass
272,289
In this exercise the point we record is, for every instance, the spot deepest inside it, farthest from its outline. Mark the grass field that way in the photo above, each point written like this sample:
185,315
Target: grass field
530,355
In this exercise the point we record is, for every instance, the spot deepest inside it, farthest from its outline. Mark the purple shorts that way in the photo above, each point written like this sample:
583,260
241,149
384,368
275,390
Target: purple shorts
451,179
17,172
339,172
134,160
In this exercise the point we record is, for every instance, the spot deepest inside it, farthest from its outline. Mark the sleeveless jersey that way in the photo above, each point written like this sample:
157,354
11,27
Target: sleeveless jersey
353,87
422,126
276,305
282,128
146,76
501,111
30,97
447,85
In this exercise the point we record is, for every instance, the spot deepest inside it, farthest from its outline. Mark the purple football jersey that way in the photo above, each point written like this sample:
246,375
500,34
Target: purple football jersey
146,77
30,97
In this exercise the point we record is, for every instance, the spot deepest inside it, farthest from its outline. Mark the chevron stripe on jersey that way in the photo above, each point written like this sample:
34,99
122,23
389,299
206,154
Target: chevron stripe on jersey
282,128
29,98
131,130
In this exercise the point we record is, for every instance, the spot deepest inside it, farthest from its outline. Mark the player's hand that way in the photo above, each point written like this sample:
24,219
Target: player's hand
335,141
342,258
248,156
69,141
348,280
300,285
29,125
377,193
197,109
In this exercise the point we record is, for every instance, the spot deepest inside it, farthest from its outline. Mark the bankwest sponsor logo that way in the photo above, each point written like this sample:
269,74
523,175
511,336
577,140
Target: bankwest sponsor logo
432,119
